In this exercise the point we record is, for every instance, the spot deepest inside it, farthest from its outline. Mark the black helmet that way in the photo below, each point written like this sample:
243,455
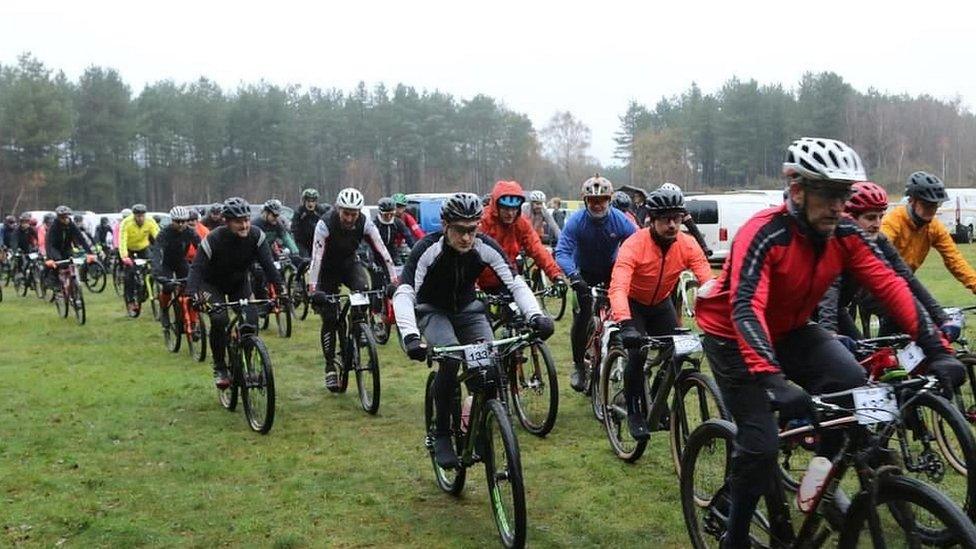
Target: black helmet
25,216
273,206
48,218
236,208
10,220
462,207
386,205
621,201
103,221
79,218
927,187
138,208
194,214
310,194
664,201
62,211
217,208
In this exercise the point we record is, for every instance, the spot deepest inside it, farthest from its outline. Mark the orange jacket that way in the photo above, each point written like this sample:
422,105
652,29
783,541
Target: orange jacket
640,274
514,237
202,232
913,244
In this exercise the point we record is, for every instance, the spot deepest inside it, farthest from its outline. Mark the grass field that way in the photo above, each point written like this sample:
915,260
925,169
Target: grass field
109,440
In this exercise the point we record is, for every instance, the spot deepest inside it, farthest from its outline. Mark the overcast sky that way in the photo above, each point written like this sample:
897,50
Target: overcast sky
536,57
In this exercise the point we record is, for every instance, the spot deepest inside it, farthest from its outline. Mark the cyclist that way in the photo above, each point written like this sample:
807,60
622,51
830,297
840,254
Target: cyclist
307,215
220,271
638,207
690,224
43,229
334,261
645,274
80,222
104,233
136,233
914,229
8,232
757,336
215,217
393,231
538,215
400,200
170,257
513,233
621,201
558,213
202,231
278,237
62,236
436,299
867,207
586,251
24,241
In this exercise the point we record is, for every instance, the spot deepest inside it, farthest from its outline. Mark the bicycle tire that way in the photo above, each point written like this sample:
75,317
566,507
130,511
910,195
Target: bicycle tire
705,507
60,303
228,396
283,321
20,284
511,523
615,410
197,340
451,482
78,303
681,428
172,335
543,383
257,385
893,492
118,279
367,375
298,291
95,281
966,395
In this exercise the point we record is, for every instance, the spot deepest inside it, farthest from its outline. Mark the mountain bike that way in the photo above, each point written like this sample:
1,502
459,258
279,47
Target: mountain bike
144,288
888,508
67,296
482,434
696,397
529,369
296,286
251,373
552,296
599,332
184,323
95,276
24,267
357,348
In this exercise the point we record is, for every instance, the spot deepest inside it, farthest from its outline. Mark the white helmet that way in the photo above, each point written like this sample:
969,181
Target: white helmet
179,213
820,159
350,199
597,186
126,212
669,187
537,196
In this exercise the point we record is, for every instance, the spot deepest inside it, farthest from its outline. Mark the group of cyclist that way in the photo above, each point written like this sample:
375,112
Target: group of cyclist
776,323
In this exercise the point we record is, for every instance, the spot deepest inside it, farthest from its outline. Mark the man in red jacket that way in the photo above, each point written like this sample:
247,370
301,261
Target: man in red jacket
758,338
514,233
646,271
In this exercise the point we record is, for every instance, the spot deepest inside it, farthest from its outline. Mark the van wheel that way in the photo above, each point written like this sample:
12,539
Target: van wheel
969,234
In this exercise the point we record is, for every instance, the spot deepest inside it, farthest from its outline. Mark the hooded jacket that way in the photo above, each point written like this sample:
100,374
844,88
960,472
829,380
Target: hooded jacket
514,237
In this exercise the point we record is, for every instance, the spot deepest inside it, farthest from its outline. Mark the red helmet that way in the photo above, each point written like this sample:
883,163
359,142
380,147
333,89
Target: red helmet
867,196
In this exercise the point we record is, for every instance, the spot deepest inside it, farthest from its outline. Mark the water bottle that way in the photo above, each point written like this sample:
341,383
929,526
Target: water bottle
466,413
812,483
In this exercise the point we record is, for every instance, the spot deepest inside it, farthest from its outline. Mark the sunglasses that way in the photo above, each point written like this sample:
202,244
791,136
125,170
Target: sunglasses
463,230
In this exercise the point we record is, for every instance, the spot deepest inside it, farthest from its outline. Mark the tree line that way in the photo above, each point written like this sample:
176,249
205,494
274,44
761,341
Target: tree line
736,136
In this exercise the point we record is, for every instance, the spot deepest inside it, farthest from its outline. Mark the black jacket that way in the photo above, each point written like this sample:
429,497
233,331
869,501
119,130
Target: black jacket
303,226
169,251
224,260
60,238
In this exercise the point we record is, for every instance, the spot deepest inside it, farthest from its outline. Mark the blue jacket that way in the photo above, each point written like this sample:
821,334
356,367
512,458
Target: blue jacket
590,246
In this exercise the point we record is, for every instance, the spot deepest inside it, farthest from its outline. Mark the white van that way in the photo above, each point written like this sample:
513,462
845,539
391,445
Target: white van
719,216
959,214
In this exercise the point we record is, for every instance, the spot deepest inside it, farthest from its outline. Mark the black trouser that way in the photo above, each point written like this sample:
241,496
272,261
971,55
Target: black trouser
441,328
581,320
260,284
809,356
221,318
349,272
130,274
659,319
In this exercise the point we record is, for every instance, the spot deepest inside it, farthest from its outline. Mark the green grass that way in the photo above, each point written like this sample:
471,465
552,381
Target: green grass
109,440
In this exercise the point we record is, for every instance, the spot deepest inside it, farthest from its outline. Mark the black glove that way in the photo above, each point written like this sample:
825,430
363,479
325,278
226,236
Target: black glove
318,299
951,330
542,325
787,397
949,371
416,350
630,336
847,342
579,285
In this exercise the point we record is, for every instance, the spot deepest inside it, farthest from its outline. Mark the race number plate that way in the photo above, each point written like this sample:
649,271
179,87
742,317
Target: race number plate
277,265
140,262
358,299
910,356
477,356
686,344
78,260
874,405
32,256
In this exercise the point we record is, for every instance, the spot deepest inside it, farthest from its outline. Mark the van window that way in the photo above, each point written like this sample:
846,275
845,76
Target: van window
704,212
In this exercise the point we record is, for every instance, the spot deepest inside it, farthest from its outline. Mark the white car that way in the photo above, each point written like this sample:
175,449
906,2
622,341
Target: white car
719,216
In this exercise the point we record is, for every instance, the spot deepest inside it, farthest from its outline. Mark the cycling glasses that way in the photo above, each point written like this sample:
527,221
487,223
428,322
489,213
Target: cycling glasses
511,201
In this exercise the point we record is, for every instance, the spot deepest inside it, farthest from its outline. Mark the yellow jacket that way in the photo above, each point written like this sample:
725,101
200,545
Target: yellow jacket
913,244
134,238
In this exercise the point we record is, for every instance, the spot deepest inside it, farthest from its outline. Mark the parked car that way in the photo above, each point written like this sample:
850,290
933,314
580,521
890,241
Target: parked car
719,216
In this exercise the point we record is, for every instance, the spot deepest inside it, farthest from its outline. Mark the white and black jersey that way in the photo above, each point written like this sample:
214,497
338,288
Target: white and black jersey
334,244
438,275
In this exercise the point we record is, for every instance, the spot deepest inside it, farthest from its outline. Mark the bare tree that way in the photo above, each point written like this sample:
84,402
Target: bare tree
566,141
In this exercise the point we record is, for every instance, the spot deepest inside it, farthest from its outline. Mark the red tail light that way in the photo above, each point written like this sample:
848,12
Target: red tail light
723,234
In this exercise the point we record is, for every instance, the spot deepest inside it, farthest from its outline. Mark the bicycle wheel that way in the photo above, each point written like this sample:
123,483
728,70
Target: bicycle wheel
702,482
172,325
298,291
118,279
367,368
906,509
40,288
696,400
535,388
450,481
966,394
257,385
228,396
20,284
283,320
611,386
95,281
77,302
377,320
503,469
153,290
196,340
938,448
60,303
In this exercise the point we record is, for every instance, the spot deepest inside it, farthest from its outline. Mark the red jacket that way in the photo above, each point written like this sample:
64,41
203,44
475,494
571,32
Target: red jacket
414,227
775,276
642,274
514,237
202,232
